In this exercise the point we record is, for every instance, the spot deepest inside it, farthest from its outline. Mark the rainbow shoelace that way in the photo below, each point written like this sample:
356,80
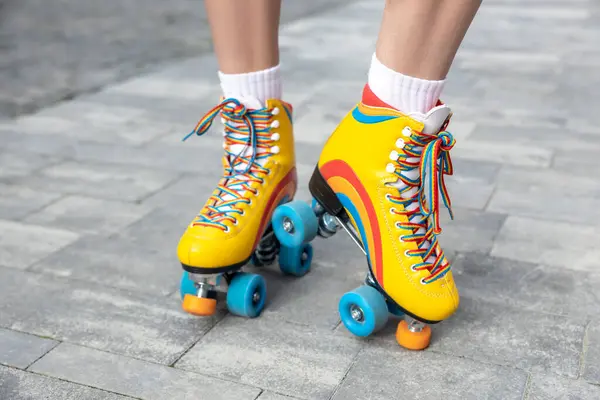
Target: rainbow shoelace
250,130
435,163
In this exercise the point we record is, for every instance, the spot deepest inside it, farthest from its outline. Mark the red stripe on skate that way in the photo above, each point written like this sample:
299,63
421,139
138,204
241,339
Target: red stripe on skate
287,187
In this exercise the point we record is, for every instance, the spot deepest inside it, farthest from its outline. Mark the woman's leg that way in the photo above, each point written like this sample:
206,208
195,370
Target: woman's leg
245,34
417,44
420,37
245,38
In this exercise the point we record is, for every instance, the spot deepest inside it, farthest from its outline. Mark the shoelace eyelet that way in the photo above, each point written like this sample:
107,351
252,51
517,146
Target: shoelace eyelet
407,131
275,124
390,168
275,149
423,282
275,111
400,143
275,137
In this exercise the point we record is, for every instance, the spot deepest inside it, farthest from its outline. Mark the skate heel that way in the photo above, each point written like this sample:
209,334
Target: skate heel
324,194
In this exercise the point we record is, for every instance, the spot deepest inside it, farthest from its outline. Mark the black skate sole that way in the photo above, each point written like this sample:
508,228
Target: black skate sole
216,270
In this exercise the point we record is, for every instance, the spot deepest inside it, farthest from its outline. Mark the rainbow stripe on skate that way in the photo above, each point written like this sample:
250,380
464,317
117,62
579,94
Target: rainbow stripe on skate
355,199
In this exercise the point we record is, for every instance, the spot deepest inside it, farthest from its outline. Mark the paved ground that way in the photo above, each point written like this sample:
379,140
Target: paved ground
52,50
95,192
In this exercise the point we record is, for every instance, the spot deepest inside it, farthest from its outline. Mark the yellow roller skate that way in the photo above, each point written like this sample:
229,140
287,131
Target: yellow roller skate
234,226
379,177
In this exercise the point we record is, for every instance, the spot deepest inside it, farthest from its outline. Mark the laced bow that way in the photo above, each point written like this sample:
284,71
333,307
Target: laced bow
248,130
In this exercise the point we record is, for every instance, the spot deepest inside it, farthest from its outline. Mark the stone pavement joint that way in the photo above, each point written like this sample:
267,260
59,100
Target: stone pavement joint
96,191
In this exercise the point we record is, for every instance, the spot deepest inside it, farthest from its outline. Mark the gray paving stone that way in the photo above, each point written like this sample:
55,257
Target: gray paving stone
144,326
90,121
591,362
527,286
576,162
21,385
119,262
546,206
186,195
548,242
33,146
286,358
136,378
18,201
266,395
552,387
480,330
88,215
501,152
19,349
470,230
536,181
105,181
383,374
23,244
553,139
14,164
472,184
178,88
175,156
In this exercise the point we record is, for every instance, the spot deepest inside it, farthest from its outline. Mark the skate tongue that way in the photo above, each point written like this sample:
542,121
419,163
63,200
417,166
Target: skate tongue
250,102
433,120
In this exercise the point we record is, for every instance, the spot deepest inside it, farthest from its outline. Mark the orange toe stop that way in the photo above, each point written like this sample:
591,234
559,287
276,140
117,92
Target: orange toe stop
199,306
413,340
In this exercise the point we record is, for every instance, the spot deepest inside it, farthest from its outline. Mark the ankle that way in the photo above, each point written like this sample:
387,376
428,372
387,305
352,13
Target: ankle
261,85
402,92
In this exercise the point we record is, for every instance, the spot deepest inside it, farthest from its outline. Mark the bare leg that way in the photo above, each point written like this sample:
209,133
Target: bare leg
245,34
420,37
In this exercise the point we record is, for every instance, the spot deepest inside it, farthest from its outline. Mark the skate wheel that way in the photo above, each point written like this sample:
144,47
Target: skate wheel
186,286
413,340
363,311
294,223
295,261
246,295
200,306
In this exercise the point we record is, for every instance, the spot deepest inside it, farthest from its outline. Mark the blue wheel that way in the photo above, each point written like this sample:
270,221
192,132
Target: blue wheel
186,286
294,223
296,260
246,295
363,311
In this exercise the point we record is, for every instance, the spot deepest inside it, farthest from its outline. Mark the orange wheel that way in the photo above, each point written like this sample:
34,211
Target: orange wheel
413,340
200,306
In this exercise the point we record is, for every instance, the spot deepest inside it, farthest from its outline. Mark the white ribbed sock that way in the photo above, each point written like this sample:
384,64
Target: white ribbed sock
405,93
261,85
